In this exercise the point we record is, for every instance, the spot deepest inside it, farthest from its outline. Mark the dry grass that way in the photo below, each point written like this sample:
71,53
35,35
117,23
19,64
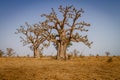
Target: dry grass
87,68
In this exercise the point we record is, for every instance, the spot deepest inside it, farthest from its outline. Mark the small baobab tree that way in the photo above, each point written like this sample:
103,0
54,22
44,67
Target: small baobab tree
107,53
75,53
34,35
66,28
10,52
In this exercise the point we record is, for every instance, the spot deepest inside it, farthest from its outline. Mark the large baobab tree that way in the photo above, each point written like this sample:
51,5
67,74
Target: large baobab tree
65,28
34,35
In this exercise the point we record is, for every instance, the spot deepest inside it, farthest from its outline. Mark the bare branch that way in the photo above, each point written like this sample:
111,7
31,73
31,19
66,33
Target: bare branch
34,35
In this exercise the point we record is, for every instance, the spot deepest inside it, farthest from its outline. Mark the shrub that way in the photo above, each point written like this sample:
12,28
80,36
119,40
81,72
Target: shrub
70,56
109,60
81,56
1,53
97,55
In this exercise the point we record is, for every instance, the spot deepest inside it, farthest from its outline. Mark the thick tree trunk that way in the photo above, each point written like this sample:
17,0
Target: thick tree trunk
58,51
36,53
61,53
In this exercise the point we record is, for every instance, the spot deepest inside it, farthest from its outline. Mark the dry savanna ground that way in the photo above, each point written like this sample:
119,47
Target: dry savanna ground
85,68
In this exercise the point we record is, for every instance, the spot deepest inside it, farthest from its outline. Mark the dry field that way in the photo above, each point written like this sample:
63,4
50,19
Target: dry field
86,68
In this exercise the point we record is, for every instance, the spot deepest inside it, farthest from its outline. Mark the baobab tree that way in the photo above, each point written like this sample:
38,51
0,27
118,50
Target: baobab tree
107,53
10,52
64,29
75,53
34,35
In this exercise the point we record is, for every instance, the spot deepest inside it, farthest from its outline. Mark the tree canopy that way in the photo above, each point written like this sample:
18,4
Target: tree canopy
61,30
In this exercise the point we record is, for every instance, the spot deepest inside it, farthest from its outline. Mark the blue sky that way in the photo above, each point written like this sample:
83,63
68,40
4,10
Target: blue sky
104,16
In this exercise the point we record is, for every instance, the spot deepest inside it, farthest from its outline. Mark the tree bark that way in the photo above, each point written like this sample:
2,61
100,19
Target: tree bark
61,52
58,50
36,53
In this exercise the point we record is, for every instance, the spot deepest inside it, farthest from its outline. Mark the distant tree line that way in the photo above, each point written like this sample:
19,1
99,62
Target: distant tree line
9,53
